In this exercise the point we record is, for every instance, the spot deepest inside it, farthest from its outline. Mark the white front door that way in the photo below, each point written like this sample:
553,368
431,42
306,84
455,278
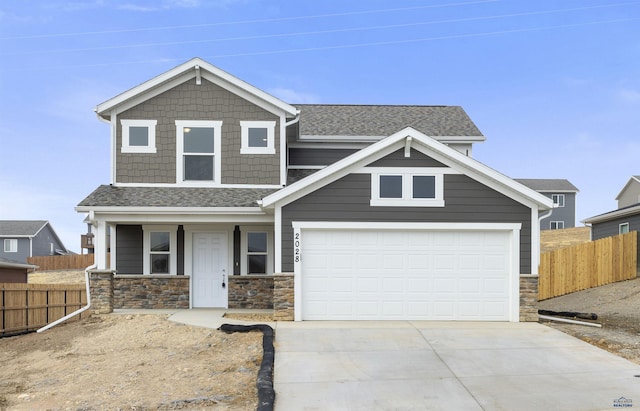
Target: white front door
209,276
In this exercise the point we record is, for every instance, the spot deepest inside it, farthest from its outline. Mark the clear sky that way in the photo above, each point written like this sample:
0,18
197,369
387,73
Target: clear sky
553,85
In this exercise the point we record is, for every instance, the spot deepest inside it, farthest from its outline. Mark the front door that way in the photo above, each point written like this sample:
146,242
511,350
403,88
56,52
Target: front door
209,277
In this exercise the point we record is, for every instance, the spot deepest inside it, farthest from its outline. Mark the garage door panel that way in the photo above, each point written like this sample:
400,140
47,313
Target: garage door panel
386,274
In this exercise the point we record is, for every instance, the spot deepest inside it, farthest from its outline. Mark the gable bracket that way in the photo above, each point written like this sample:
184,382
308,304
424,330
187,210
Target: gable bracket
198,78
407,147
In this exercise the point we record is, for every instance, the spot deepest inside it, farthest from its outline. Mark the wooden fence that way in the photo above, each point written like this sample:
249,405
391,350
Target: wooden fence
62,262
588,265
27,307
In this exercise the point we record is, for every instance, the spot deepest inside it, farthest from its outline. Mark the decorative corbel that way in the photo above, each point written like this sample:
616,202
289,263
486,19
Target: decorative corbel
198,78
407,146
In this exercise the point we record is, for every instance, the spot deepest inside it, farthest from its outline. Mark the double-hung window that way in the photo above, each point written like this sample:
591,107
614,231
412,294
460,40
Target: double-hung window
407,190
558,200
198,152
138,136
160,249
556,225
257,250
623,228
257,137
11,245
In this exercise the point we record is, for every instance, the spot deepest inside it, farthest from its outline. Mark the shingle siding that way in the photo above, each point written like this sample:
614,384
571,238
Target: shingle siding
189,101
348,199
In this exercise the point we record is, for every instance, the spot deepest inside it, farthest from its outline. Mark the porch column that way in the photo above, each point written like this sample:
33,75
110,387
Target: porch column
100,245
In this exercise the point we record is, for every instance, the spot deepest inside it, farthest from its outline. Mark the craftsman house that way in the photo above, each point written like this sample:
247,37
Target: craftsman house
222,195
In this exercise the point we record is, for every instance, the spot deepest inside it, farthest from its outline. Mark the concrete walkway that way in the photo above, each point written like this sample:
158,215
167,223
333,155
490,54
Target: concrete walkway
421,365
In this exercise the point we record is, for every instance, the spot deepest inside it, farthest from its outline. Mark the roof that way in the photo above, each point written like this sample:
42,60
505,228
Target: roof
410,137
633,209
6,263
194,68
128,196
21,228
548,184
383,120
631,180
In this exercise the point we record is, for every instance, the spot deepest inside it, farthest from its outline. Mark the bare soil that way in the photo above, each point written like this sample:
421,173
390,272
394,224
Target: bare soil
617,306
129,362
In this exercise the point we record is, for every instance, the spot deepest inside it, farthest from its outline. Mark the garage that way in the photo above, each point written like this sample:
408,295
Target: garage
412,271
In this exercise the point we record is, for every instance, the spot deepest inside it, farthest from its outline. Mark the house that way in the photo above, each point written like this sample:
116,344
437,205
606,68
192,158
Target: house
222,195
622,220
29,238
14,271
563,195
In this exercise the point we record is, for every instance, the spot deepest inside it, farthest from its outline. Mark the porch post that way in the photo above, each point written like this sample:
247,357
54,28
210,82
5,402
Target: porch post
100,246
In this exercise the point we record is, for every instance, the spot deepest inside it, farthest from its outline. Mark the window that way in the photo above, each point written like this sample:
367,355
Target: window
11,245
623,228
407,190
258,137
198,159
160,246
557,225
138,136
257,250
558,200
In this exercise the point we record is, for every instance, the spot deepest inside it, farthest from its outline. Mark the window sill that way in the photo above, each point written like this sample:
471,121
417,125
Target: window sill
406,203
257,151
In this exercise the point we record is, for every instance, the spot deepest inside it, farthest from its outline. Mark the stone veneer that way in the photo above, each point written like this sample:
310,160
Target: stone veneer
101,289
151,291
251,291
529,297
283,297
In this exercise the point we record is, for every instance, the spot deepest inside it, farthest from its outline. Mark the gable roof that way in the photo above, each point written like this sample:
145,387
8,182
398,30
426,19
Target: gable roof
6,263
543,185
444,123
21,228
633,179
195,68
631,210
414,139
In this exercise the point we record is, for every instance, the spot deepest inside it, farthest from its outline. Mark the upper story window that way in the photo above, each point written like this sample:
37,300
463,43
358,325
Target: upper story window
11,245
556,225
258,137
198,151
407,190
138,136
558,200
623,228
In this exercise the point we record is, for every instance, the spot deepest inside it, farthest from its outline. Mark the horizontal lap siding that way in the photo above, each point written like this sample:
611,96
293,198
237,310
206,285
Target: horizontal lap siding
612,227
317,156
129,253
348,200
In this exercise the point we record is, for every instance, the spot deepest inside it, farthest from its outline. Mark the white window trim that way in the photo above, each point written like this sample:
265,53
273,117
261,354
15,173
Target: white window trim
557,225
217,146
244,230
407,199
244,135
173,247
151,144
620,227
561,200
11,245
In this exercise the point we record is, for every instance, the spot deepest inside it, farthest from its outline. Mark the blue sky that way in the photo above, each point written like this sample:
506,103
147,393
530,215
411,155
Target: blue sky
553,85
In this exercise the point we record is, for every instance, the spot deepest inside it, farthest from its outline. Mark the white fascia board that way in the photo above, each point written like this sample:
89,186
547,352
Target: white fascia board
631,180
613,215
170,210
185,72
370,139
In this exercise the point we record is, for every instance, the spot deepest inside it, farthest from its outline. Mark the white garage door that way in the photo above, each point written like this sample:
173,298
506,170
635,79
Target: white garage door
405,274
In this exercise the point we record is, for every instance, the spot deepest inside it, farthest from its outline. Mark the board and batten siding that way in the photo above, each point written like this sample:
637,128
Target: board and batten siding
348,199
189,101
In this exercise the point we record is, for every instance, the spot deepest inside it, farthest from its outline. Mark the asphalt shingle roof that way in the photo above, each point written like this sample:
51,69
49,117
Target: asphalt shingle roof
383,120
20,227
112,196
547,184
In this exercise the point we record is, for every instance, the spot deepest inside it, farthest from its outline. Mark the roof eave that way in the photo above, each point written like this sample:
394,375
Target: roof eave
612,215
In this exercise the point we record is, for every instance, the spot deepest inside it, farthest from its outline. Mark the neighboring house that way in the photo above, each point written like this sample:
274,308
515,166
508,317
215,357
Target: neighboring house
563,195
380,212
14,271
626,218
22,239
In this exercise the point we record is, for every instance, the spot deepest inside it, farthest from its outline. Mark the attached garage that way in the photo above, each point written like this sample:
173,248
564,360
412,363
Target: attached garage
418,271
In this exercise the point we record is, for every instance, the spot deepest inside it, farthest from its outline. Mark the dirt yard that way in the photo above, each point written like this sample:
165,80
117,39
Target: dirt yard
129,362
618,308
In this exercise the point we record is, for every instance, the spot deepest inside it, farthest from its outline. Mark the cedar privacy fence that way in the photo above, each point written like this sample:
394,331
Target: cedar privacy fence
588,265
62,262
27,307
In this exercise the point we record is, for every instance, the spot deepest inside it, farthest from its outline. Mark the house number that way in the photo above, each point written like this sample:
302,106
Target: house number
296,248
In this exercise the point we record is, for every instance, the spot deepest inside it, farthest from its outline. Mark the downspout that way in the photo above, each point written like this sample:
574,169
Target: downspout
79,311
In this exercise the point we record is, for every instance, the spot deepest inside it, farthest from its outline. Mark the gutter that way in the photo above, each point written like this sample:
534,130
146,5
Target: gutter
79,311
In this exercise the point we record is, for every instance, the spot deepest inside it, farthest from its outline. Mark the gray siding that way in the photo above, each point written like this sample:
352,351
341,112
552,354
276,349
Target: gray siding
397,159
566,213
43,240
611,228
348,199
317,156
189,101
129,249
23,250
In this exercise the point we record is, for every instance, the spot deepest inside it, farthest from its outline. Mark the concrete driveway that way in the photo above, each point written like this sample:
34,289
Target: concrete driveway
416,365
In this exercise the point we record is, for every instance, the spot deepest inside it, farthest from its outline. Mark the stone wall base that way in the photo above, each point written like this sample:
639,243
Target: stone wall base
251,291
529,297
283,297
151,291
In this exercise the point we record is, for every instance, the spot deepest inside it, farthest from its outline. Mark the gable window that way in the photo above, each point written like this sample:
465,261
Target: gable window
160,250
556,225
138,136
257,137
407,190
558,200
257,251
198,151
11,245
623,228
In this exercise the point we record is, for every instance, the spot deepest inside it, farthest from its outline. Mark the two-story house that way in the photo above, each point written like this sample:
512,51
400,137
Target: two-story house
563,194
375,212
624,219
22,239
